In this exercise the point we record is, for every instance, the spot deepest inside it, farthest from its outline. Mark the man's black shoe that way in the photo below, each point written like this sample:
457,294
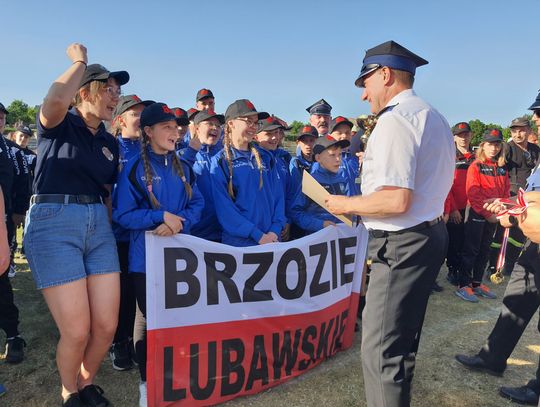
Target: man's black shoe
521,395
477,363
73,400
15,349
92,396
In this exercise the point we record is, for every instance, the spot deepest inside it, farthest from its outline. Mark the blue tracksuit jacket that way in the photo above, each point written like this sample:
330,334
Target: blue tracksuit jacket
253,212
134,210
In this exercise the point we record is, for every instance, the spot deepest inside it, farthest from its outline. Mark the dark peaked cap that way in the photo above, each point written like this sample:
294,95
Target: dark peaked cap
392,55
320,107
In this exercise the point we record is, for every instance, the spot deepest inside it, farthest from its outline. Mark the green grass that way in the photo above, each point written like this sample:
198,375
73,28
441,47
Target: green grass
452,326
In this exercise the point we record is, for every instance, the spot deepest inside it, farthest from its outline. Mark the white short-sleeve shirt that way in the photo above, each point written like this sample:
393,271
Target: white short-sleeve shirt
410,147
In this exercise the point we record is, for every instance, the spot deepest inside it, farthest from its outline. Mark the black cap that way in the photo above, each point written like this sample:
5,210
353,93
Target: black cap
520,122
389,54
536,104
492,136
204,94
307,131
127,102
340,120
191,113
181,116
460,127
97,72
243,107
269,124
3,109
208,114
25,130
156,113
320,107
326,142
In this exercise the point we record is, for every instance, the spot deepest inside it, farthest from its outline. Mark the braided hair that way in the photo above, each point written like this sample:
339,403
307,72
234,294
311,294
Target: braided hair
227,150
149,173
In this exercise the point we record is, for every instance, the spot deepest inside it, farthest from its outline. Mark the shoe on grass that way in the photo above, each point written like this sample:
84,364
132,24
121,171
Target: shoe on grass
12,270
2,390
92,396
484,291
121,356
521,395
15,349
478,364
142,395
73,400
466,293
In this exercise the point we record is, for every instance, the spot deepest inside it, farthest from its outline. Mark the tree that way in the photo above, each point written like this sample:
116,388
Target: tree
21,112
295,127
477,129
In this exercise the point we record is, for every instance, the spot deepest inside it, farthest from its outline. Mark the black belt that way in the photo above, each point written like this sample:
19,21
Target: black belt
424,225
66,199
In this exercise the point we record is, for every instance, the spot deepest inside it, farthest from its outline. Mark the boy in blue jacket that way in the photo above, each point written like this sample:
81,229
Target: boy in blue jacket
327,152
246,187
304,158
156,191
202,147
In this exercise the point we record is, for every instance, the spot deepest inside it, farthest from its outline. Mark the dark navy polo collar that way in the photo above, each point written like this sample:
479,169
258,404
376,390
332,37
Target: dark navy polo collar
78,121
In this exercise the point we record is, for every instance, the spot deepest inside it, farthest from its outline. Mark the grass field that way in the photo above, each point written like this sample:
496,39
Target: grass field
451,326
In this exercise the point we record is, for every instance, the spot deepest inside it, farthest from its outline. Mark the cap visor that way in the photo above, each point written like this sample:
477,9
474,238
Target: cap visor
263,115
359,82
122,77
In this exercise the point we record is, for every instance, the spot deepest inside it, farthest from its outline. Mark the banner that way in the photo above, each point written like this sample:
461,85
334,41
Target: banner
230,321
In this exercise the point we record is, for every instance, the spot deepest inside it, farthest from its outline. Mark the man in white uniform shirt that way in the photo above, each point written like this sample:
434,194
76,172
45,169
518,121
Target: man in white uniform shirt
407,173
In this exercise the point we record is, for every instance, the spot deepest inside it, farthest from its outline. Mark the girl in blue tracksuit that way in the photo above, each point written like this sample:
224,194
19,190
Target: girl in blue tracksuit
268,138
202,147
308,215
156,191
127,130
246,187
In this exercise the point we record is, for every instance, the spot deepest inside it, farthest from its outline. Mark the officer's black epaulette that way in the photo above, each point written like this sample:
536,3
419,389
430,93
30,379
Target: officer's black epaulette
386,109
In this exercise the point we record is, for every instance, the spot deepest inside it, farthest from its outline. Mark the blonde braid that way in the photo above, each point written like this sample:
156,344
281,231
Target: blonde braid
148,173
255,152
180,171
228,156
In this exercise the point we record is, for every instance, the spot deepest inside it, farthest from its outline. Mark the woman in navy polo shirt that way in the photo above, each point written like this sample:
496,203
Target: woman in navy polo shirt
69,242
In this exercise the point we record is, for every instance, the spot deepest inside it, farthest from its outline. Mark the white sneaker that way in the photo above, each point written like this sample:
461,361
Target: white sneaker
142,394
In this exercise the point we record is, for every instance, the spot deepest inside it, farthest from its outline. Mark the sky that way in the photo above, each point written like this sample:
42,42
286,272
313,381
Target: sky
282,55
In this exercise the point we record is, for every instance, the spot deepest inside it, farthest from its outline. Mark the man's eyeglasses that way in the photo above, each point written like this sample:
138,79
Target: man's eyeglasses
113,92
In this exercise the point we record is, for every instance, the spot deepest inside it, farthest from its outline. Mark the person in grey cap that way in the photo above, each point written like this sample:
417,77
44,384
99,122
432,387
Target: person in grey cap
404,189
521,158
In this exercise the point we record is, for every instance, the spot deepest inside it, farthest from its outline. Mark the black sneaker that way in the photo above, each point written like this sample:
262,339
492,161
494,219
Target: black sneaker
15,350
132,353
73,400
120,356
92,396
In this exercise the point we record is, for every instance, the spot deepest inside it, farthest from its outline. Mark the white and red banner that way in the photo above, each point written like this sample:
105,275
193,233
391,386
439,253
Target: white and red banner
229,321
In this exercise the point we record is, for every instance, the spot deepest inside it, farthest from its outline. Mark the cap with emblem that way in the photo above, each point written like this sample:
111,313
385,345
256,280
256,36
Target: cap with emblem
269,124
461,127
326,142
492,136
204,94
520,122
308,131
181,116
3,109
127,102
208,114
392,55
25,130
156,113
191,113
321,107
536,104
241,108
97,72
340,120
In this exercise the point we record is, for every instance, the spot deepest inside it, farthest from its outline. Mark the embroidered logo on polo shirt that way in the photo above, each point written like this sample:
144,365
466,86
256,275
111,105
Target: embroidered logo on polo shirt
107,153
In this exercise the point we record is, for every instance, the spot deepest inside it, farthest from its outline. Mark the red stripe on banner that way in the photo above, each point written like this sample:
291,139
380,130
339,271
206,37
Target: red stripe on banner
208,364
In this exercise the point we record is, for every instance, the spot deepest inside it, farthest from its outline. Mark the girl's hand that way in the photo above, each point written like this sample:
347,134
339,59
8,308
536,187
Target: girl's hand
493,219
77,52
163,230
174,222
195,142
268,238
455,217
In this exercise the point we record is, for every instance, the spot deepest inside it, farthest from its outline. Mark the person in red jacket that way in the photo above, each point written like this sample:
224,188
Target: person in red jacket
456,202
487,178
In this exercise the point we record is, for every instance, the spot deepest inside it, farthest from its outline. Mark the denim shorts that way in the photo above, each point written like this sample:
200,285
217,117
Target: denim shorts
68,242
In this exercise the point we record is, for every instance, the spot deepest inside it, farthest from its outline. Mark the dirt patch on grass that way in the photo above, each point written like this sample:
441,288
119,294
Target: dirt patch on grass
452,326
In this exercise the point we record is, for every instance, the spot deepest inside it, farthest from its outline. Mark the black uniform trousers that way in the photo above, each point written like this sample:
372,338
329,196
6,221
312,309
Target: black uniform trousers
456,237
9,313
521,301
126,313
478,236
403,271
139,331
